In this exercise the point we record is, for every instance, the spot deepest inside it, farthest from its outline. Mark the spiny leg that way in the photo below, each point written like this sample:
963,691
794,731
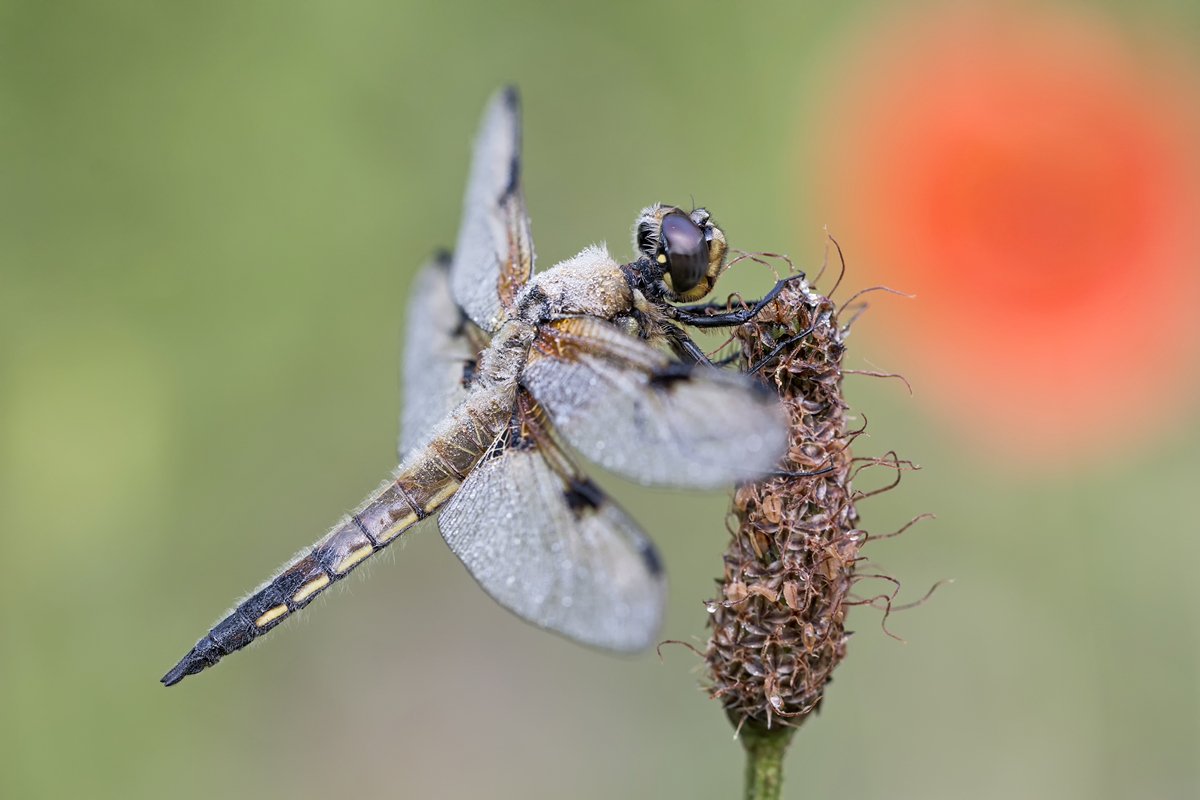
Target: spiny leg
687,349
683,346
779,348
690,352
691,315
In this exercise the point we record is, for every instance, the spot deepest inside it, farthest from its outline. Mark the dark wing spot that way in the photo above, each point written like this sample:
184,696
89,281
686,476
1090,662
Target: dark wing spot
512,97
650,556
674,372
583,494
512,100
514,177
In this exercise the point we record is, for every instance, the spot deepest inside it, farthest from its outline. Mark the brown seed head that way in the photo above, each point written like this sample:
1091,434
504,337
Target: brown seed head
778,622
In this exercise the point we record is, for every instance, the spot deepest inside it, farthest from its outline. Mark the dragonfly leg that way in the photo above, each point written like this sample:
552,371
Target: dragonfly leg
688,351
779,348
694,316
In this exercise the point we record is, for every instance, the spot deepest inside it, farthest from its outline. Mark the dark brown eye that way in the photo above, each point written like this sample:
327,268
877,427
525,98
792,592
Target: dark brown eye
686,251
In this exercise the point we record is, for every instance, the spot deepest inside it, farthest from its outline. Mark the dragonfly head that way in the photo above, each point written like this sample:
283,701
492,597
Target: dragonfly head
688,247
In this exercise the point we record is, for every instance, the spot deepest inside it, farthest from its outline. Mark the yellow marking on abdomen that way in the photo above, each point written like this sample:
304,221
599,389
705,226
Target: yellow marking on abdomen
310,588
435,502
398,527
352,559
271,615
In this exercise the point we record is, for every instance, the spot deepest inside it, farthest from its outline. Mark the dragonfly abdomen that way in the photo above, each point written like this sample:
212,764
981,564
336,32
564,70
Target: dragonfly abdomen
423,484
331,559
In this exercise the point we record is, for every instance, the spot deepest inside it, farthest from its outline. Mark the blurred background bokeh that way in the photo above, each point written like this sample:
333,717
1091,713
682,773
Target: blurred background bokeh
210,215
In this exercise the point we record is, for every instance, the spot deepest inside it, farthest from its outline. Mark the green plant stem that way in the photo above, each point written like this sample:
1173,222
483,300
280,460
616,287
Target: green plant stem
764,759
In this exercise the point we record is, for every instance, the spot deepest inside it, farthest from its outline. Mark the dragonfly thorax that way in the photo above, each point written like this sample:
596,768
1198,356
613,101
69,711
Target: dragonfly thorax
591,283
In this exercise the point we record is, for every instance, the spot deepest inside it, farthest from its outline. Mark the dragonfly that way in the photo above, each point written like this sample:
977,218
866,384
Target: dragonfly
509,374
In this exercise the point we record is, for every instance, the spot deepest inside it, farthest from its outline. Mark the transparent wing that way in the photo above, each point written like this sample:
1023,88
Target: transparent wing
547,544
494,256
437,350
634,410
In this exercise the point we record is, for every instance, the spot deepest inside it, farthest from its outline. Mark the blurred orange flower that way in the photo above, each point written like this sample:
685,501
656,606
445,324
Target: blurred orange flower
1032,178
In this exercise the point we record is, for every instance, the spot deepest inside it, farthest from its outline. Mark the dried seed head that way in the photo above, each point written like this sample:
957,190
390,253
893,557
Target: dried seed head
777,626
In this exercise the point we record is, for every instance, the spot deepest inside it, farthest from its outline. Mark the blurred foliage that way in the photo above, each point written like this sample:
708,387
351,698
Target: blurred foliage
210,216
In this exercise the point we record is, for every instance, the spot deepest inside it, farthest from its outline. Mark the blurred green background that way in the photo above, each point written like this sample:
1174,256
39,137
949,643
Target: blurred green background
211,214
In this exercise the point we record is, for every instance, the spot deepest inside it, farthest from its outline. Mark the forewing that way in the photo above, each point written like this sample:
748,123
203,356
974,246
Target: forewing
634,410
436,351
494,256
553,549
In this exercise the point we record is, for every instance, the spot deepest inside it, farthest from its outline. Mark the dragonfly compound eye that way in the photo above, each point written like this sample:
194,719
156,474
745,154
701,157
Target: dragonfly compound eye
684,251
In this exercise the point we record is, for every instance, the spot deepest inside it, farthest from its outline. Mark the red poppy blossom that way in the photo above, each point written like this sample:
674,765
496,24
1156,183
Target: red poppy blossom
1032,179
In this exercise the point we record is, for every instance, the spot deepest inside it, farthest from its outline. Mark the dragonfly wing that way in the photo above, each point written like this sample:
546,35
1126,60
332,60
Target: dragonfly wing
494,256
636,411
548,545
437,356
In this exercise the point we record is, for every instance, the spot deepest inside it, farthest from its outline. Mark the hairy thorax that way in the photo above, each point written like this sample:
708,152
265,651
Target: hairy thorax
590,283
